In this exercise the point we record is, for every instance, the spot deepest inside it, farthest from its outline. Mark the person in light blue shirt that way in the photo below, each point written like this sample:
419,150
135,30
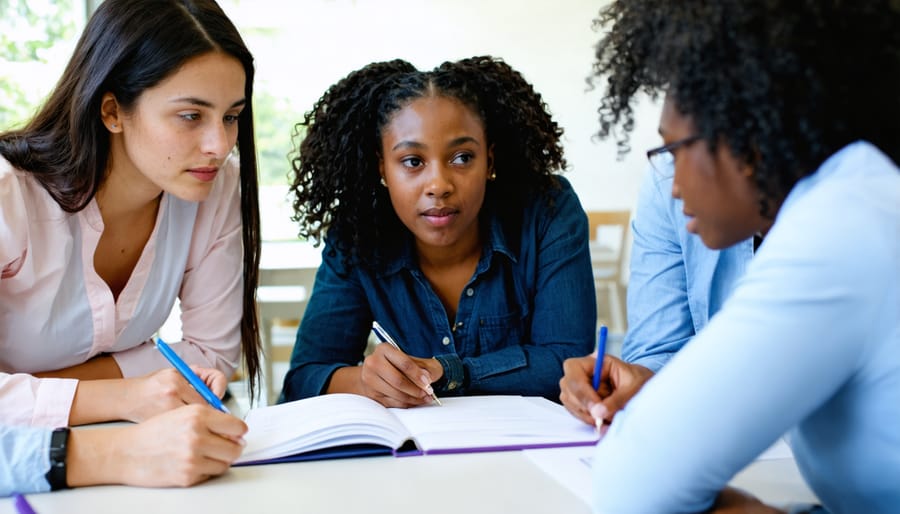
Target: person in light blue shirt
24,459
782,120
448,224
675,285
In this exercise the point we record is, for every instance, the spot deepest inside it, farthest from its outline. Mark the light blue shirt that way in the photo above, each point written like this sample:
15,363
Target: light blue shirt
809,342
676,283
24,459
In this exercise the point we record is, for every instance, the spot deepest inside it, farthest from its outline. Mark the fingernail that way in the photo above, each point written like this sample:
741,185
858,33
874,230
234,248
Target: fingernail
598,412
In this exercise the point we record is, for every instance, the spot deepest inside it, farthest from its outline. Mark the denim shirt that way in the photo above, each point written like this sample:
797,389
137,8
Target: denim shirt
676,283
529,306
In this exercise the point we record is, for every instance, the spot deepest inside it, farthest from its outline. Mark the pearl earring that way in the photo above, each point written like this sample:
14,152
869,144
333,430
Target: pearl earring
383,183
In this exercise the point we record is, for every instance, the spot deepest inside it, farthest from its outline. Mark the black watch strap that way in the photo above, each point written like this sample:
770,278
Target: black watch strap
59,448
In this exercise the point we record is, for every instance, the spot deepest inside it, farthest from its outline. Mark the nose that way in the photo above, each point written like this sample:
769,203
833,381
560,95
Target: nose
439,183
217,141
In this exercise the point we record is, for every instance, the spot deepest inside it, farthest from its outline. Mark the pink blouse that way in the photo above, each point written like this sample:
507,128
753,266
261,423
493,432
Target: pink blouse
56,311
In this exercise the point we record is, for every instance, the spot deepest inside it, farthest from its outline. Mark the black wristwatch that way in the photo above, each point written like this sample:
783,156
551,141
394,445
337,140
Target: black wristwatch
59,447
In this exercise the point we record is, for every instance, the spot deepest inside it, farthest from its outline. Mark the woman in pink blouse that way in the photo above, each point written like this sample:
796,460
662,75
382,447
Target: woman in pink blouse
122,194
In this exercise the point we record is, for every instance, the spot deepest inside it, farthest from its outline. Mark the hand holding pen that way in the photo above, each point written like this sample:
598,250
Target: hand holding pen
594,387
195,381
396,379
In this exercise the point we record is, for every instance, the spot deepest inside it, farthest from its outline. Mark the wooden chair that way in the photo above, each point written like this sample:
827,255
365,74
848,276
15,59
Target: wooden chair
608,258
281,299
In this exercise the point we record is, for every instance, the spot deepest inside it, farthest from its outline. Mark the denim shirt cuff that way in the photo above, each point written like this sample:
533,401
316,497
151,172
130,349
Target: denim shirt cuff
454,373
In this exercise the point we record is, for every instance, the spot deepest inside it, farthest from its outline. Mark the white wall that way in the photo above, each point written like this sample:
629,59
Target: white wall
302,47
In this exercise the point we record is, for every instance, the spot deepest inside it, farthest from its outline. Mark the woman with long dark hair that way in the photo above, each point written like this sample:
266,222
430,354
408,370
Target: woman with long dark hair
121,195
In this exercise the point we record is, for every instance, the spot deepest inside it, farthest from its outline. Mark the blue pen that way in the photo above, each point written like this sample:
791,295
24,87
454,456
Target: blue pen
190,376
601,349
22,505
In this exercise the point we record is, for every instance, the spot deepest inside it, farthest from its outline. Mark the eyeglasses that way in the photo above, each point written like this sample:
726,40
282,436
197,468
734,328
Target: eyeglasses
663,158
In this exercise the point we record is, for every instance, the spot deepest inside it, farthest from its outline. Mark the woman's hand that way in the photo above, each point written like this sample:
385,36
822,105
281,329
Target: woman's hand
140,398
166,389
736,501
390,377
178,448
619,382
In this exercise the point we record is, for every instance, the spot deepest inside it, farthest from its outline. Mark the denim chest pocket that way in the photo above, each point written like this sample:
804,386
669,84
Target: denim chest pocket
496,332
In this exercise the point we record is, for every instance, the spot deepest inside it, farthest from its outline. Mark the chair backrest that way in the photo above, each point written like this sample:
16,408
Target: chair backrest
609,233
597,219
281,299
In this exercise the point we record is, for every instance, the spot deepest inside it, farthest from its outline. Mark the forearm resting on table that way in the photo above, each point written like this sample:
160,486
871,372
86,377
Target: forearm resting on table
97,401
92,457
98,368
345,380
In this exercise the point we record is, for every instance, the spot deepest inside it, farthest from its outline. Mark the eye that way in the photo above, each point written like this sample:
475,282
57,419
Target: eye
231,119
412,162
189,116
462,158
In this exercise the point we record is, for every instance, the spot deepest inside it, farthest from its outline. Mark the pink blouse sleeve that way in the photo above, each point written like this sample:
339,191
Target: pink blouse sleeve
24,399
27,400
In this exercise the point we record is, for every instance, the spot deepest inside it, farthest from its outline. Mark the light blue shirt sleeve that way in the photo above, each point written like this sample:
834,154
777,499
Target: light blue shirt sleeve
675,283
810,339
24,459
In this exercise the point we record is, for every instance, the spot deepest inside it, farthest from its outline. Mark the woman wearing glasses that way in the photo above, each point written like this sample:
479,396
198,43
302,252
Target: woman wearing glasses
784,122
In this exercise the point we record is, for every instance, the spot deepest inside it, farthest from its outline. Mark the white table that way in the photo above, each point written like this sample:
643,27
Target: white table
435,484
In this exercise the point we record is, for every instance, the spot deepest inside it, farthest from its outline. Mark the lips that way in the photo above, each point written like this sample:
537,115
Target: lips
439,212
440,217
691,225
204,173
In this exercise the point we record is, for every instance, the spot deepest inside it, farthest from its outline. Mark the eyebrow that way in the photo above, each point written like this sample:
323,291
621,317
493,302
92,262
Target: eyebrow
415,144
203,103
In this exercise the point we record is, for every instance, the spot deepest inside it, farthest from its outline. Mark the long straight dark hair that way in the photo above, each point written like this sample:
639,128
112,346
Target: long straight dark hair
127,47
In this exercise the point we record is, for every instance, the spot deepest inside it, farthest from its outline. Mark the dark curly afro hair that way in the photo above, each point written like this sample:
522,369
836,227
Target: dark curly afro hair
783,83
335,165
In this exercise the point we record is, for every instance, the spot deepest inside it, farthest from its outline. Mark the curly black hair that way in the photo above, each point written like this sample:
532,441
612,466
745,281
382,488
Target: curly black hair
783,83
335,165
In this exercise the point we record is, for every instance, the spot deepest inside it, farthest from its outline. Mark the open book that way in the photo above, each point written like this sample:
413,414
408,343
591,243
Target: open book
347,425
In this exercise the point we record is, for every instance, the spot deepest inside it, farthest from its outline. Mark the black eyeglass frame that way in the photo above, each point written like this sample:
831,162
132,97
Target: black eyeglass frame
671,147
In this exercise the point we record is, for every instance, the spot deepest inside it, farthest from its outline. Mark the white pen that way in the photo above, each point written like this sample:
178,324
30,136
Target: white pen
384,337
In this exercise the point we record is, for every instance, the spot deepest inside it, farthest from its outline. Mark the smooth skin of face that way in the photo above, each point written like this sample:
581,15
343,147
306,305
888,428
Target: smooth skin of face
720,198
178,134
435,161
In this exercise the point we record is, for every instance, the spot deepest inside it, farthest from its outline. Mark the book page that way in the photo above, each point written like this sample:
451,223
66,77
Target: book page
325,421
493,423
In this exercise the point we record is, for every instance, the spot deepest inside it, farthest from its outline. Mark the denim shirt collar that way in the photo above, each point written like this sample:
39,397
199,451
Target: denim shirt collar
496,243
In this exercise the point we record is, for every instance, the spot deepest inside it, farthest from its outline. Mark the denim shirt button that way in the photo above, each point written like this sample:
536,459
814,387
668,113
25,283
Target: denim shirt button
452,385
470,291
445,340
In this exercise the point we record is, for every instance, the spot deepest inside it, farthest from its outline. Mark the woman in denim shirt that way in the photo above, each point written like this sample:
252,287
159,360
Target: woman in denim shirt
443,221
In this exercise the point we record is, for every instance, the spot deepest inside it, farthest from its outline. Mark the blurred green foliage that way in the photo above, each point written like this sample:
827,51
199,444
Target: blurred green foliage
32,31
29,31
